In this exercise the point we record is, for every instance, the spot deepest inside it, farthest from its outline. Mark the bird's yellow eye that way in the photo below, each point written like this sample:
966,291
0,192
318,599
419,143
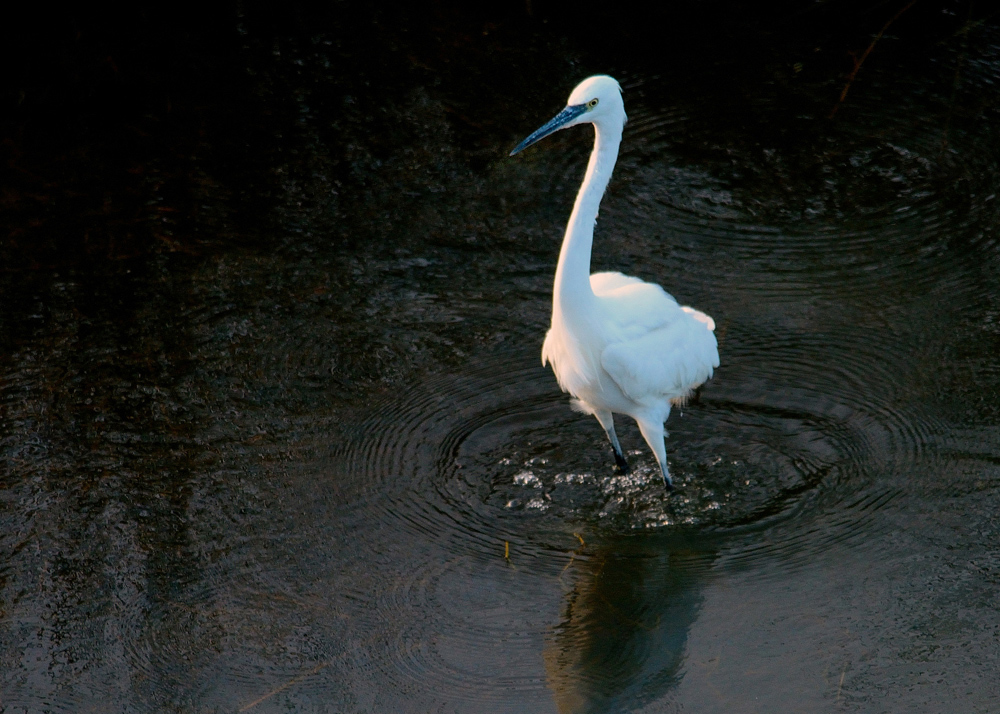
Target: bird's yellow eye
592,103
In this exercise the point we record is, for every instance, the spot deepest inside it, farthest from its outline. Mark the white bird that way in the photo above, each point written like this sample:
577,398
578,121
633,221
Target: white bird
617,344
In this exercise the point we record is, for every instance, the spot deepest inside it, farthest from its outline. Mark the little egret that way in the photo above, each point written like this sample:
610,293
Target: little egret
617,344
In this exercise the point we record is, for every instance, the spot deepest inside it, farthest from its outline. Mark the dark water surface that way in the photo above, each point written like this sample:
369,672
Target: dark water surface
272,410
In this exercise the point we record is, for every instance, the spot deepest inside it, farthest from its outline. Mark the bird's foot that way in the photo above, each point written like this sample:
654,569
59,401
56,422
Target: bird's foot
621,465
668,483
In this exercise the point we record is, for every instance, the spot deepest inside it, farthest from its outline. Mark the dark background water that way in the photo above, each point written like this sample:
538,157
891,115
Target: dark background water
271,406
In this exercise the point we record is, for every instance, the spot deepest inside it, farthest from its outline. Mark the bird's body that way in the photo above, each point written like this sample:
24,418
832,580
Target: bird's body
617,344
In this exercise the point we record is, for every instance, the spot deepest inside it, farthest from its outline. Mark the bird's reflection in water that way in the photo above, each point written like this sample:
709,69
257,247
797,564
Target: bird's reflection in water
622,637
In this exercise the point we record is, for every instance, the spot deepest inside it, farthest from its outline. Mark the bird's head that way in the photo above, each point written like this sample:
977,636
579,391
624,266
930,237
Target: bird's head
595,100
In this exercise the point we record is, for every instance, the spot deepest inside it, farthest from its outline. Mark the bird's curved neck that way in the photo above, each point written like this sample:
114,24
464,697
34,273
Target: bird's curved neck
572,283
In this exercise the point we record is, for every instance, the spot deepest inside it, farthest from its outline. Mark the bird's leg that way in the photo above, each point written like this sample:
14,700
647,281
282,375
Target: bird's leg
668,483
652,432
620,462
608,422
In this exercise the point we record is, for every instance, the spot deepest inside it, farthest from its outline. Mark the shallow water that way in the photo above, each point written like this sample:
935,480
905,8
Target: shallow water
297,451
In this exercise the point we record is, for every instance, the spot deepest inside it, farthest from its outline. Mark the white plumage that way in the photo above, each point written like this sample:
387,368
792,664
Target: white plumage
617,344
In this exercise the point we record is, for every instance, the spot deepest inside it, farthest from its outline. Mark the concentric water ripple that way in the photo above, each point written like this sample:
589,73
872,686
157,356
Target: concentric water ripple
808,433
301,454
495,454
875,201
446,621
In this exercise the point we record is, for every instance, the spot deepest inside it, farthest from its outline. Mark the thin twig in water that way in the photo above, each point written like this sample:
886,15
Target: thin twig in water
969,26
572,555
284,686
958,75
859,62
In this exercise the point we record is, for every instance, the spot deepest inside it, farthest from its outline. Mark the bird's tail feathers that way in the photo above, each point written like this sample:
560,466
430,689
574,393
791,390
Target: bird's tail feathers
682,400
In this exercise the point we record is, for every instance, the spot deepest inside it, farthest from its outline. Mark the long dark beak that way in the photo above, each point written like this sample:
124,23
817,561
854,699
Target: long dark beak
555,124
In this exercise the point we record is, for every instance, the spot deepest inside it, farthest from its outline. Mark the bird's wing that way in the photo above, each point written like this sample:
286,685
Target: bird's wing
604,283
668,361
700,317
633,307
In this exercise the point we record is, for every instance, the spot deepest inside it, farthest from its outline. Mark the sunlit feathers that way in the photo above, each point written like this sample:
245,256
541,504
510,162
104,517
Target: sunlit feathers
617,344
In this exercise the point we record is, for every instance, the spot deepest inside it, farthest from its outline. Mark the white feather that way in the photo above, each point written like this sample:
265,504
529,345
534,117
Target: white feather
617,344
